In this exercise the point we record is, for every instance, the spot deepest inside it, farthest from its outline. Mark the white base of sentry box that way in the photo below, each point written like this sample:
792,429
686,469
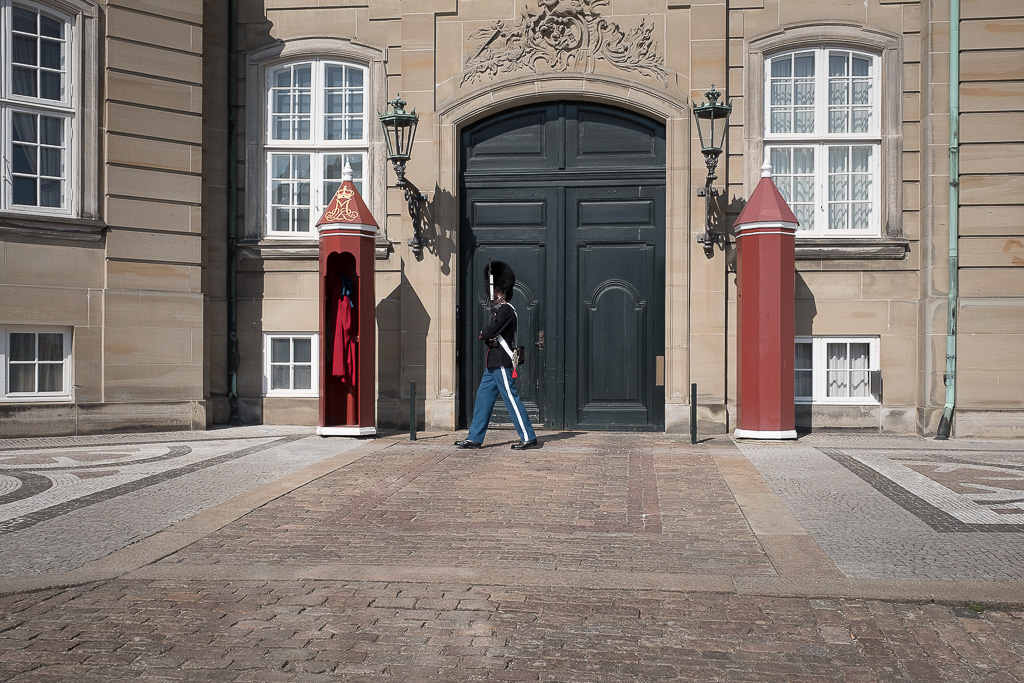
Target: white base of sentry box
346,431
754,434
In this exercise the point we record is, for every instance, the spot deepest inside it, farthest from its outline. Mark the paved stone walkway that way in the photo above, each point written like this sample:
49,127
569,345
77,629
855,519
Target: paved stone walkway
263,555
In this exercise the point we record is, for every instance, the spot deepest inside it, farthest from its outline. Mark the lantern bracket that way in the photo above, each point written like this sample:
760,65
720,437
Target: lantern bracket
400,133
712,118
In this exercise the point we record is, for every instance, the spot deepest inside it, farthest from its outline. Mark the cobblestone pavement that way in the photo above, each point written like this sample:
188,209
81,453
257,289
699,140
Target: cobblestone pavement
271,555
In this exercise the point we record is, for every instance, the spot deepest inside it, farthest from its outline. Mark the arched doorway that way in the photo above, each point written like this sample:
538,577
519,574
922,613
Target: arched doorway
572,196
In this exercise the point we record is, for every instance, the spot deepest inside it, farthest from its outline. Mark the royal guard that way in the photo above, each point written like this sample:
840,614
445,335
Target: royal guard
500,363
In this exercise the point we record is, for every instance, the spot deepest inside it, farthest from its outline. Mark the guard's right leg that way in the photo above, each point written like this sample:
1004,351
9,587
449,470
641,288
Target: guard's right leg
516,410
486,395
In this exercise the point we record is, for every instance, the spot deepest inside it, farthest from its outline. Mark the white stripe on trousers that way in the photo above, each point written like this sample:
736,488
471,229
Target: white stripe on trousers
515,406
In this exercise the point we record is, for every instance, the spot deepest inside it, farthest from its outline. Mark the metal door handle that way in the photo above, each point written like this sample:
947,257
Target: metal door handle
540,340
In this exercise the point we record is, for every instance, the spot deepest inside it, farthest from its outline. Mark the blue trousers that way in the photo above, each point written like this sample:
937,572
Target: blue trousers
494,382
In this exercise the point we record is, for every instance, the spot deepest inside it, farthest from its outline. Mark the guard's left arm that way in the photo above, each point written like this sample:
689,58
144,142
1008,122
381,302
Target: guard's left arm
500,324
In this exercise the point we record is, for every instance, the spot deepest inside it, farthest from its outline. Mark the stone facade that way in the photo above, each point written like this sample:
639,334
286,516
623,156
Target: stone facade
179,110
117,269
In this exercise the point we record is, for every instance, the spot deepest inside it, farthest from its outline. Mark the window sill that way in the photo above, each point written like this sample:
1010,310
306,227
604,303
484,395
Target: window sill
841,404
34,399
52,227
277,249
850,249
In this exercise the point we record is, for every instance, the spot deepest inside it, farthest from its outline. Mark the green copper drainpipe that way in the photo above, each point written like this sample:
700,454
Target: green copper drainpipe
232,217
946,423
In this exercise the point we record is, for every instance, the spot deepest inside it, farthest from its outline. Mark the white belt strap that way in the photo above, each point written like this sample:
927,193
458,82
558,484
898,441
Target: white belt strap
514,355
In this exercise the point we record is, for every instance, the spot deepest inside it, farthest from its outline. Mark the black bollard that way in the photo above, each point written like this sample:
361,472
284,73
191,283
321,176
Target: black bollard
693,413
412,410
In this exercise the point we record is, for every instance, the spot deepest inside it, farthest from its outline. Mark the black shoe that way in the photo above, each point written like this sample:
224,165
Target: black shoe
523,445
466,443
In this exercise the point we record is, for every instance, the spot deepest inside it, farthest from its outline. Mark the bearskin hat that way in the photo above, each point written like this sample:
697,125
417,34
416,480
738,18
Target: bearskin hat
504,277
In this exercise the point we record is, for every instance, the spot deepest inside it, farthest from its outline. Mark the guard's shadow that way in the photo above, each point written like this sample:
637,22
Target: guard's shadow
558,436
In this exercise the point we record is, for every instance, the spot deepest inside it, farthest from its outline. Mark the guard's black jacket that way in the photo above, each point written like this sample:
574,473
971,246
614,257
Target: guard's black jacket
503,322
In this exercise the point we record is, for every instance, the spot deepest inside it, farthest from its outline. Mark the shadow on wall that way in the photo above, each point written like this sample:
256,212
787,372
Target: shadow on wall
403,321
243,348
402,326
805,312
251,292
730,251
438,227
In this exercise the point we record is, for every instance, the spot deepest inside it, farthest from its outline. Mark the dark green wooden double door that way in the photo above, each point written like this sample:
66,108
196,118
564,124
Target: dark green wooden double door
572,196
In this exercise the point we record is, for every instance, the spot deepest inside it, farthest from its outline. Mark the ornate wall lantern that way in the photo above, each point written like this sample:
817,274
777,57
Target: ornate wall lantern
399,133
712,123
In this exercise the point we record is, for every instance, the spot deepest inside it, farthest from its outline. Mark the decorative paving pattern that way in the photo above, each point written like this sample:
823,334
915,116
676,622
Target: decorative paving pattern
38,485
956,492
904,507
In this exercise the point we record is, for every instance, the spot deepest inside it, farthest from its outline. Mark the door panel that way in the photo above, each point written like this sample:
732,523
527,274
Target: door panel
602,138
522,139
509,225
612,345
618,293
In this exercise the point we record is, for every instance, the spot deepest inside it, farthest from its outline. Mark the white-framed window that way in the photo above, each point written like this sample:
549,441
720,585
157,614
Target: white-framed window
841,370
316,123
822,136
36,363
291,367
37,108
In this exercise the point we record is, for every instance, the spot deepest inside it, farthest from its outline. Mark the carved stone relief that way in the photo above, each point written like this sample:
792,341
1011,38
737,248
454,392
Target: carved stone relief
567,35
